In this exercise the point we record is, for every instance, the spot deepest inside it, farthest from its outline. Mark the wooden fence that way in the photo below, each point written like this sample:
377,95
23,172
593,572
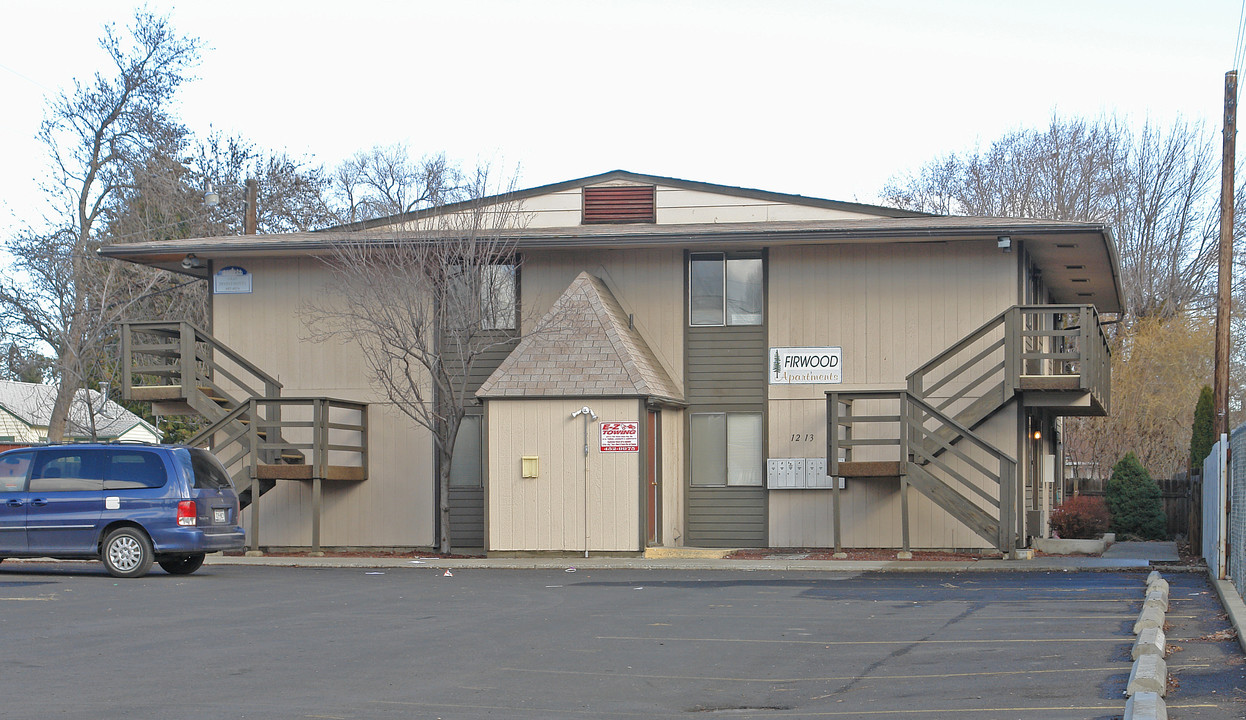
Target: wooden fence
1182,496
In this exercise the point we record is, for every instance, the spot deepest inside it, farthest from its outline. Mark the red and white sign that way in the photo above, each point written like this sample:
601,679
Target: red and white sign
620,436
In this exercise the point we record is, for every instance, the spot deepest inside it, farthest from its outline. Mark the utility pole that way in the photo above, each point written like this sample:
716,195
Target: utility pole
1224,289
1225,283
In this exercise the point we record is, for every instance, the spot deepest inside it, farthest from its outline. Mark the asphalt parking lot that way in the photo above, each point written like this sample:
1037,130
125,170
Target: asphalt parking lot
262,642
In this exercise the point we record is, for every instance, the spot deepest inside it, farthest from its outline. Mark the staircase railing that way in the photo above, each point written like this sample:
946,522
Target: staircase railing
1041,348
260,438
330,434
899,434
175,352
1062,344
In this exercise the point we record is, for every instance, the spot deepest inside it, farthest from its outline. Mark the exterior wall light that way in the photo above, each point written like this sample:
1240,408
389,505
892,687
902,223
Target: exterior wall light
190,262
1004,242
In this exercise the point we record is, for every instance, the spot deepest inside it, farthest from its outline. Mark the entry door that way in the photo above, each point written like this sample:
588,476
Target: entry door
653,484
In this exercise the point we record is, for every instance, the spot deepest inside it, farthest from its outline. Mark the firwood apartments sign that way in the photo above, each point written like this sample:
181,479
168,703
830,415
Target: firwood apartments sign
805,365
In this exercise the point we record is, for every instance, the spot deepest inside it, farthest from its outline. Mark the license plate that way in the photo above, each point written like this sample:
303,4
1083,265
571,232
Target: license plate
218,516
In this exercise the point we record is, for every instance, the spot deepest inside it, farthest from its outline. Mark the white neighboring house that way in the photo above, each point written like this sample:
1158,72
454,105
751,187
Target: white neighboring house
25,409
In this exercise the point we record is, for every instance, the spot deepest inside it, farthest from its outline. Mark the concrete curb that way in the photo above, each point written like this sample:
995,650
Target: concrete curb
1040,564
1151,617
1150,642
1145,706
1233,606
1149,674
1148,678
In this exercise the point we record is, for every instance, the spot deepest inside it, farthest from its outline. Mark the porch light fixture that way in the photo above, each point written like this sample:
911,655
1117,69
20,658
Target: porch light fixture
1038,434
1004,242
190,262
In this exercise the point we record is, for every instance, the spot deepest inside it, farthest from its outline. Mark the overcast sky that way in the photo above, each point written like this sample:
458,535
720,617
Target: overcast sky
827,99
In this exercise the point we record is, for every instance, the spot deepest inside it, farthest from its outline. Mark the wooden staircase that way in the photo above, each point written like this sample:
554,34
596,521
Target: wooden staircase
259,436
1050,356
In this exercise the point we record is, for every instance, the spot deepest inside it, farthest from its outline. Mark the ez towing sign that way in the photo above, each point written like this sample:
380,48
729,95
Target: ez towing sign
621,436
805,365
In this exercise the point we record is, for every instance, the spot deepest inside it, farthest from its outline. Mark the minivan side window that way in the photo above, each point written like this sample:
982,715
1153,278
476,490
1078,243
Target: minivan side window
13,469
131,469
66,470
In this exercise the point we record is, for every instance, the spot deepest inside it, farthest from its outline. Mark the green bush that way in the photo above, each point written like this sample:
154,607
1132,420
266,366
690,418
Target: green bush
1202,435
1080,517
1134,500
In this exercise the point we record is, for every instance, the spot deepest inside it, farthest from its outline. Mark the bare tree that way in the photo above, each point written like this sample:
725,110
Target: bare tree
61,294
1155,188
426,302
386,181
1158,370
164,200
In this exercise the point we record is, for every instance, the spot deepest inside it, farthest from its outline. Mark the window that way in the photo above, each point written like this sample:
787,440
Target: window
201,465
13,469
66,471
725,290
497,297
485,299
130,469
727,449
465,469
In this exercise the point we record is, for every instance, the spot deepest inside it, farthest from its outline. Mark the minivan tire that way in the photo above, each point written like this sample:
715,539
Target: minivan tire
181,564
127,553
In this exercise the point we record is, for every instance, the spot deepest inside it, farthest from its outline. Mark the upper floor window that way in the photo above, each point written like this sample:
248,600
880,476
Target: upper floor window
482,297
498,297
725,289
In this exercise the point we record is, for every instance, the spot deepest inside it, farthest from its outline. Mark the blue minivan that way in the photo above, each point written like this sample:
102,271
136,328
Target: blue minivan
128,505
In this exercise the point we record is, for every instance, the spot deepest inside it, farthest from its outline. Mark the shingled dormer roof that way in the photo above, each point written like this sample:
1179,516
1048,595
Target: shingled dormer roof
588,351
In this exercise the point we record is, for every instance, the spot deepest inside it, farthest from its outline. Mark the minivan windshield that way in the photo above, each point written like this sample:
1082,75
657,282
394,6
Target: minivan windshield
206,469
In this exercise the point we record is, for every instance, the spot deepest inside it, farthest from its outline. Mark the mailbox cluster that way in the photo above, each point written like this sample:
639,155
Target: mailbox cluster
798,474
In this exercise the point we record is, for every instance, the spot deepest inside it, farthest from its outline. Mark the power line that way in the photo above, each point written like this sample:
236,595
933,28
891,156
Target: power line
1240,50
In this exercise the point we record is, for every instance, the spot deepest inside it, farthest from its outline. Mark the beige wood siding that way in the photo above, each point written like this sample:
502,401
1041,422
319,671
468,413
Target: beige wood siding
394,506
890,309
547,513
678,206
674,206
647,283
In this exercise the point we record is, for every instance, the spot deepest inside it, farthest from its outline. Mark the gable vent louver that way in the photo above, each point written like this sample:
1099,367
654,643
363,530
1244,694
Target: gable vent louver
619,204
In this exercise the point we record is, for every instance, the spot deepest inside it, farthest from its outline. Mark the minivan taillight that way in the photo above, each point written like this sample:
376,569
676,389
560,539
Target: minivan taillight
186,512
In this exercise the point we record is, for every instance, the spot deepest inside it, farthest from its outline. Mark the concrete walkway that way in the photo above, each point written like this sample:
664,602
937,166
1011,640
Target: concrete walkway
1149,551
1134,555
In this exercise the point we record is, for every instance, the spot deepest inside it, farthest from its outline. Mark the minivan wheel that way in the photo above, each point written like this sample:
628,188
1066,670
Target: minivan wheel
181,564
127,553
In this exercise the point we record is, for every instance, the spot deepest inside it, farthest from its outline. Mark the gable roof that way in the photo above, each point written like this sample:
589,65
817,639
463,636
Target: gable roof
32,404
1079,260
588,351
633,177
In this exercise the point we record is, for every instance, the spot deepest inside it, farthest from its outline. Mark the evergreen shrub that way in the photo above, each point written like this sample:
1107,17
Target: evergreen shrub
1202,435
1134,501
